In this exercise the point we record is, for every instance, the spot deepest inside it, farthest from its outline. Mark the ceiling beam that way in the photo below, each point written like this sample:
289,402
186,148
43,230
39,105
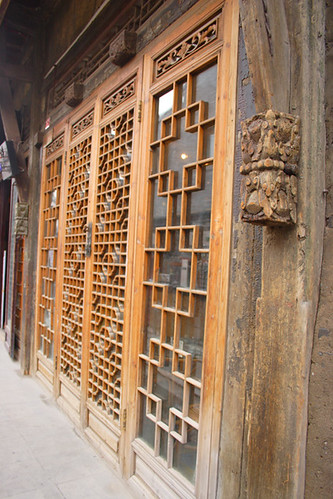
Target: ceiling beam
15,72
12,132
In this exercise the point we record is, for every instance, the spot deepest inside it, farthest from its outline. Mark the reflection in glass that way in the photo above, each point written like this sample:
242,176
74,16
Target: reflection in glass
192,335
194,405
152,322
181,94
53,198
199,205
163,110
50,258
158,211
147,427
169,327
208,142
176,207
204,89
169,390
185,455
202,271
181,151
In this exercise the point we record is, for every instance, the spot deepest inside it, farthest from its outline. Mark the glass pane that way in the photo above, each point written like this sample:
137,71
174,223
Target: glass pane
192,335
169,390
199,205
181,94
152,322
158,211
179,152
147,427
208,142
185,455
163,109
204,89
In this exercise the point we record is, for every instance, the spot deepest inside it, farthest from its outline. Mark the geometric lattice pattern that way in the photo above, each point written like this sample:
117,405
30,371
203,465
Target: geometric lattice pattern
176,269
109,264
49,245
74,260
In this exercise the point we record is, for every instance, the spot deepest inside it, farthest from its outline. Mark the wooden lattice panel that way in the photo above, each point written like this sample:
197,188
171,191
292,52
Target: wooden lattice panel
176,267
48,268
74,260
109,264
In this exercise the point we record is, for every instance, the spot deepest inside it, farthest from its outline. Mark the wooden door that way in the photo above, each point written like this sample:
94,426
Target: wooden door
48,274
183,260
136,211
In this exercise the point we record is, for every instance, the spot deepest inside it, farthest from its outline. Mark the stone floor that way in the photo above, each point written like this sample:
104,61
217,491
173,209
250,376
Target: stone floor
41,454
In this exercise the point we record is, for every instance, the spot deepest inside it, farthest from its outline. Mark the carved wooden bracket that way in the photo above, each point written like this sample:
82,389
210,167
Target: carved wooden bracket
21,219
270,153
123,48
74,94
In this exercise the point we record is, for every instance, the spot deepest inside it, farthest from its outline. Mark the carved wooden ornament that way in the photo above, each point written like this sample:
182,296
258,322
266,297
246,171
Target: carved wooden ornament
123,48
270,154
21,219
74,94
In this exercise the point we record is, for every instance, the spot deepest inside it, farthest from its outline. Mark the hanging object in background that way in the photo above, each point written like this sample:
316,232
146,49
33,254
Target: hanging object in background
270,154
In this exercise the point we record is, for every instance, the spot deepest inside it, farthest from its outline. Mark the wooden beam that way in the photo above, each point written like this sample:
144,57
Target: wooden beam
21,27
268,50
16,72
3,9
12,132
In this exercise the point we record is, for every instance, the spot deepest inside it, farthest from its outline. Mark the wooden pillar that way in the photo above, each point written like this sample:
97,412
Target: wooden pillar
285,48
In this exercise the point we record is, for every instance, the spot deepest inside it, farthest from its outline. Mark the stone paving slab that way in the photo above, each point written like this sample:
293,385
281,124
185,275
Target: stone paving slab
41,453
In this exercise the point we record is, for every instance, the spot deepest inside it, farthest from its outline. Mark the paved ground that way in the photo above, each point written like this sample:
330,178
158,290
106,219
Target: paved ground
41,454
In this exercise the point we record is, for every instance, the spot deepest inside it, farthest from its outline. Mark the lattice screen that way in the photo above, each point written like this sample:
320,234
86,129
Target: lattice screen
74,259
109,264
48,270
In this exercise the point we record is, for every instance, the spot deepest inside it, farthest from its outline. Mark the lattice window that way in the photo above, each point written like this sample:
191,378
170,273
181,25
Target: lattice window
48,270
109,264
176,268
74,260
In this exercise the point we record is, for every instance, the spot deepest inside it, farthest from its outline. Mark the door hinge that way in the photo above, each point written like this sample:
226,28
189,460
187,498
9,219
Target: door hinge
65,158
55,362
124,419
140,111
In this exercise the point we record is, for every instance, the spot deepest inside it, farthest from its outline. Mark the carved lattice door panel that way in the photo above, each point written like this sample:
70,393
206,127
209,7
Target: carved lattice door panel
109,256
74,260
48,244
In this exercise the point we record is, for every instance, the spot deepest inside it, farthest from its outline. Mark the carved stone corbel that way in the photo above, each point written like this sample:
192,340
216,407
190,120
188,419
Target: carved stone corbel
270,154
